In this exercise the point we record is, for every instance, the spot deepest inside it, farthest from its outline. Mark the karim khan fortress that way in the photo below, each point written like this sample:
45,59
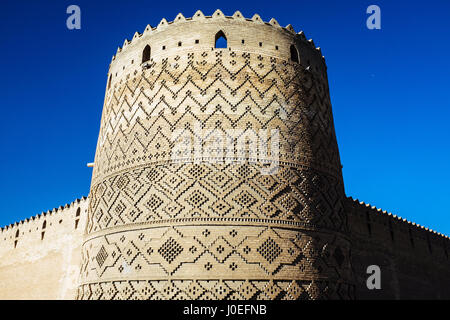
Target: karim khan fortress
163,222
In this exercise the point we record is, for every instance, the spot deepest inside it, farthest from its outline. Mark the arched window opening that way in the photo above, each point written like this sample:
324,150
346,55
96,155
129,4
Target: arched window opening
78,213
220,40
17,233
146,54
44,225
109,81
294,54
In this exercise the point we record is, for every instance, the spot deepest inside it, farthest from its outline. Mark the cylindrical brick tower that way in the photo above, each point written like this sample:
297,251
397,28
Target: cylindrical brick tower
217,172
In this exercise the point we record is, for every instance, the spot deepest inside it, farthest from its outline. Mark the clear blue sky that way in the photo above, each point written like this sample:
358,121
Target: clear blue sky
389,90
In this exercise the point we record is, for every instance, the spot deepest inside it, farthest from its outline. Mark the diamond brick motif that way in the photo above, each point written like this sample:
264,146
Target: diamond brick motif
197,171
129,252
153,202
219,179
221,249
267,181
247,290
221,208
221,290
173,209
122,182
144,289
196,199
119,208
173,181
195,290
101,256
271,291
245,199
270,250
188,211
170,250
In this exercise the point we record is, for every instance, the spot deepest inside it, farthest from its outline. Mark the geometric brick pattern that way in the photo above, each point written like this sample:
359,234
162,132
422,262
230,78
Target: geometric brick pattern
196,252
257,92
214,290
211,229
176,191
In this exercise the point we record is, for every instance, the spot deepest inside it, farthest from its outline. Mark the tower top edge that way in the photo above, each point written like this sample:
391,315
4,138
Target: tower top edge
217,16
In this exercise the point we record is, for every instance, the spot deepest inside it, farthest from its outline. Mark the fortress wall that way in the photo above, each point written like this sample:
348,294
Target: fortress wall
413,260
219,230
40,256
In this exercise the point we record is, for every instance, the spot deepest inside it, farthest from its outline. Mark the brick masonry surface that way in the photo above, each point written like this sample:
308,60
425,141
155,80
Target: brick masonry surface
170,222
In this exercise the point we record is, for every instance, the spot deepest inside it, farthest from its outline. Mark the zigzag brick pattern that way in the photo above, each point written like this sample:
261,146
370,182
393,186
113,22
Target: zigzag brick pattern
207,228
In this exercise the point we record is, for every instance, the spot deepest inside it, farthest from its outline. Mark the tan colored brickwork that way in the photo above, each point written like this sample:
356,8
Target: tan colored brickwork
40,257
156,221
413,260
168,223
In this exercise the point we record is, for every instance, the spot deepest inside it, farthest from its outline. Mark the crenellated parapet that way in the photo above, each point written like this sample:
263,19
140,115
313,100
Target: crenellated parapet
217,16
413,261
54,222
197,33
393,231
40,256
